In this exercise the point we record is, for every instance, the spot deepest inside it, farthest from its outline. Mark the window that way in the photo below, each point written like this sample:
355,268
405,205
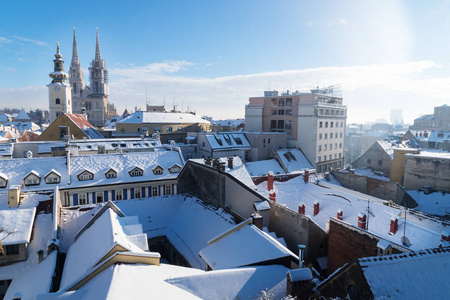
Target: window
340,155
137,193
119,195
180,128
288,112
380,162
326,124
324,158
155,191
319,158
57,101
280,124
32,179
268,141
320,124
281,112
3,182
369,161
169,129
12,249
340,145
52,179
320,136
335,156
168,190
288,124
342,123
340,135
110,175
274,112
157,129
331,146
99,197
273,124
85,176
325,147
136,172
281,102
326,135
336,135
330,157
320,148
82,199
158,170
331,124
335,145
288,101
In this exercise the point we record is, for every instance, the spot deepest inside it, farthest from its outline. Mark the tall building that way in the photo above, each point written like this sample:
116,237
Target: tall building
440,120
93,97
313,122
58,90
396,116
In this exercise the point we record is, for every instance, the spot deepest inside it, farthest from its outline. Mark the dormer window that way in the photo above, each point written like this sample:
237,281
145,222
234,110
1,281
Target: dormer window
384,248
136,172
3,180
175,169
85,175
158,170
52,177
32,178
111,174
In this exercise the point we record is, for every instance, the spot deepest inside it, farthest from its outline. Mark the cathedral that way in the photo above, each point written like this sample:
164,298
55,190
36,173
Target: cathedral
92,98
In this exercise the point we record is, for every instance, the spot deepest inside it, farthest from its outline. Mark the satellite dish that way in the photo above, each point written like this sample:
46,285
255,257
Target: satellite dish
405,241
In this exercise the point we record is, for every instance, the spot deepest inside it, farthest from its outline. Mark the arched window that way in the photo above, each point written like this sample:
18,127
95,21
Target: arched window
58,101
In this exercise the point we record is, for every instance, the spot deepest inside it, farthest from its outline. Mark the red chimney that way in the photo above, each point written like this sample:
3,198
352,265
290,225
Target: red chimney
306,176
445,235
362,220
301,208
270,181
273,195
316,207
394,225
340,214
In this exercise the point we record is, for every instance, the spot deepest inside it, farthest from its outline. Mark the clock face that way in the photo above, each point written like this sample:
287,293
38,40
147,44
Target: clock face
57,87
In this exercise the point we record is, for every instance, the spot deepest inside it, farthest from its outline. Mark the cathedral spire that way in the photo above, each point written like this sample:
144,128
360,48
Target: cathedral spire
75,59
97,49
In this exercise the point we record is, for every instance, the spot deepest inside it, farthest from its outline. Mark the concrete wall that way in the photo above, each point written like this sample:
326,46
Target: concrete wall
427,171
375,158
367,185
397,167
263,142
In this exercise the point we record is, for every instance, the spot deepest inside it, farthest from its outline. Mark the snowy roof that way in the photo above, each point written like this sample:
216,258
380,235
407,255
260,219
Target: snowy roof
229,122
141,117
439,136
300,274
186,222
430,154
16,225
108,231
435,203
81,122
426,117
422,232
262,167
23,116
387,147
228,141
242,246
294,160
415,275
383,244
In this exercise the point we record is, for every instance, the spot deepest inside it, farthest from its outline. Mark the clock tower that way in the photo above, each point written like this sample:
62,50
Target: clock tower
59,91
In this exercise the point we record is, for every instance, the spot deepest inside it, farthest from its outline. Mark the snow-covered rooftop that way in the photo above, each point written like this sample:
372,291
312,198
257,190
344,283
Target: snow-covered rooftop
262,167
140,117
16,225
294,160
228,141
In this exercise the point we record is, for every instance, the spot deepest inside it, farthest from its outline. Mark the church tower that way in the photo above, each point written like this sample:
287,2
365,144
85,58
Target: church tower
75,72
99,74
58,90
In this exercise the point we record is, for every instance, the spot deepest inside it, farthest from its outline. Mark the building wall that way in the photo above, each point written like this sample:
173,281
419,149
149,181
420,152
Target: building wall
397,166
427,171
6,259
347,242
375,158
264,142
52,132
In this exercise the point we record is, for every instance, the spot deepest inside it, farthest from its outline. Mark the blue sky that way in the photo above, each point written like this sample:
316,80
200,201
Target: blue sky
212,55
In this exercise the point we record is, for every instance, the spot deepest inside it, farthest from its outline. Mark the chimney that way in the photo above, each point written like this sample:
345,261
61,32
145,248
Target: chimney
445,235
221,166
301,251
270,181
306,176
362,220
14,196
41,255
273,195
316,207
230,162
301,208
340,214
208,161
394,225
257,220
215,162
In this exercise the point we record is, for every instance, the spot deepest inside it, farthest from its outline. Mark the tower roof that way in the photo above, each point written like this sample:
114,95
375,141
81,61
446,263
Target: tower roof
58,74
97,49
75,59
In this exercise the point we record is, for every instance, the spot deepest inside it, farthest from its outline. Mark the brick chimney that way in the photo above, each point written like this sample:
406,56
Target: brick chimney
362,220
394,225
301,208
340,214
208,161
221,166
306,176
445,235
273,195
270,181
257,220
316,207
230,162
216,163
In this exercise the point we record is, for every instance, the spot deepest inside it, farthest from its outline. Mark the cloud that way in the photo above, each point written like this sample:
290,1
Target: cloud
342,21
369,91
4,40
31,41
10,69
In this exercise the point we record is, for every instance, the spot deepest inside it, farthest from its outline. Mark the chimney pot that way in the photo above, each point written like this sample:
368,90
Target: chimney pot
257,220
316,207
362,220
230,162
306,176
273,195
394,225
270,181
340,214
301,208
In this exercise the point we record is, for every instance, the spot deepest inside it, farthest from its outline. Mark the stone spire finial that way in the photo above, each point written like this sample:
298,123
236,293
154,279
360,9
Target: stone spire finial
97,49
75,59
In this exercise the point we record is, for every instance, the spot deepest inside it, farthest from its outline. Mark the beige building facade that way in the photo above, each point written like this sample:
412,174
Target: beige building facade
314,122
